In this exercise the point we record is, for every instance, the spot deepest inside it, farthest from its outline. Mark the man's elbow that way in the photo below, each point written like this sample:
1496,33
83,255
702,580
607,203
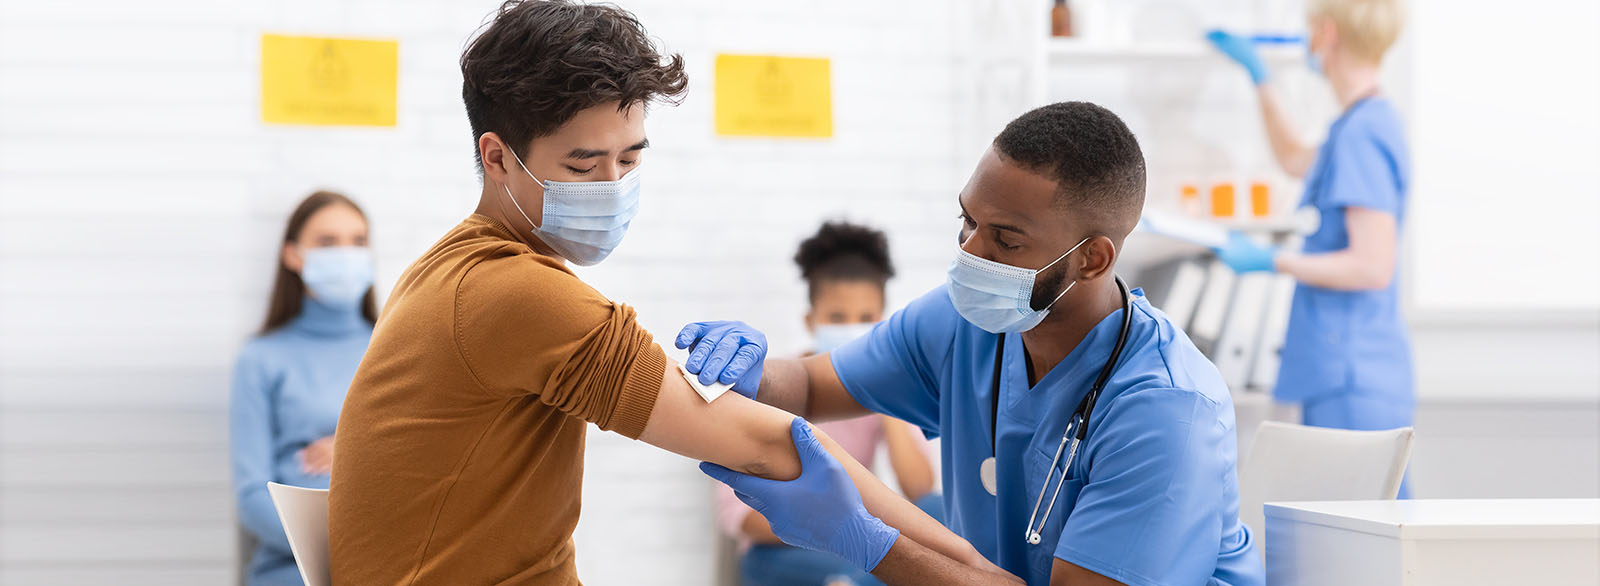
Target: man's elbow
772,456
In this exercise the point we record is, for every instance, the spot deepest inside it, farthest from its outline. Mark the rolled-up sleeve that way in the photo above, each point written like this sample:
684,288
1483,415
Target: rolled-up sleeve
537,330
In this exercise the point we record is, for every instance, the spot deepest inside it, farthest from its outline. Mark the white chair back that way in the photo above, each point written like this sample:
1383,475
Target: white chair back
304,514
1297,463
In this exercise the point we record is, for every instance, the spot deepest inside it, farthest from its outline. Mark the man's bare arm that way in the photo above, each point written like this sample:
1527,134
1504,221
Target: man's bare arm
909,563
749,437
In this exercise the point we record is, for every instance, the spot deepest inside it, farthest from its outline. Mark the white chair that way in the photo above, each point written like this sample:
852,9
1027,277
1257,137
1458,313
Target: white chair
304,514
1297,463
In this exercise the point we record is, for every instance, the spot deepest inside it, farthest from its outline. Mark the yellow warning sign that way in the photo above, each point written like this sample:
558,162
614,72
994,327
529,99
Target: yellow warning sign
328,81
768,95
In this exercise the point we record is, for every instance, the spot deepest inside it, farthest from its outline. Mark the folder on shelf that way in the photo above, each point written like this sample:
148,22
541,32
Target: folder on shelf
1185,229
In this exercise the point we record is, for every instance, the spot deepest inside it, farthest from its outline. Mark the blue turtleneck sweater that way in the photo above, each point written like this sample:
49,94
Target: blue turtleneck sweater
288,386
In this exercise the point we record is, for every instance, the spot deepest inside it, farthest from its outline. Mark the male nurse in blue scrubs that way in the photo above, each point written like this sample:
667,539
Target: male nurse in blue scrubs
1347,356
1151,498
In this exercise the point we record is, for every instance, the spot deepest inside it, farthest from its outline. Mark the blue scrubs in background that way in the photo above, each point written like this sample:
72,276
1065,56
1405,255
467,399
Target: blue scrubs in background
1347,357
288,387
1152,498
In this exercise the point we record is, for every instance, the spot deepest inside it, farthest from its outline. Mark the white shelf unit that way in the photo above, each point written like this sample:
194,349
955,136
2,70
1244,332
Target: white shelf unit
1067,50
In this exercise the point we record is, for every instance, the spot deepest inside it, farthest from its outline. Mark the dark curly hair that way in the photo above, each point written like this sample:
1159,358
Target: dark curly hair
1091,154
540,62
841,251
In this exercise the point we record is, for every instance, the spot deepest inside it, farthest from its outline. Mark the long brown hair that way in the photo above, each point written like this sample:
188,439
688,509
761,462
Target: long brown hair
288,291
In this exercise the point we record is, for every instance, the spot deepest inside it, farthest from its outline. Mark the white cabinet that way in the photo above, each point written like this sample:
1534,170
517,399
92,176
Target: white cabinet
1554,542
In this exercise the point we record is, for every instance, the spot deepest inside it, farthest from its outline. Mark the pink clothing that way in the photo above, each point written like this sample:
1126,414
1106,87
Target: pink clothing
859,437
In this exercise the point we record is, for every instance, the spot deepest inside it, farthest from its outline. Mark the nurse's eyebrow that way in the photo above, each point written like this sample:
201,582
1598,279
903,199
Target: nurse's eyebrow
1005,227
581,153
1009,228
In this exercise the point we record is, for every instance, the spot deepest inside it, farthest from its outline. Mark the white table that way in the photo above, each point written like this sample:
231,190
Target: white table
1553,542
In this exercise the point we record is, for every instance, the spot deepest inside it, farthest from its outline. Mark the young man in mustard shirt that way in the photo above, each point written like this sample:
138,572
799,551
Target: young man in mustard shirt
460,450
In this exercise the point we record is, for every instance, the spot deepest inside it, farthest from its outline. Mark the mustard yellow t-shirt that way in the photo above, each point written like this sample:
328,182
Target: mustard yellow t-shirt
460,446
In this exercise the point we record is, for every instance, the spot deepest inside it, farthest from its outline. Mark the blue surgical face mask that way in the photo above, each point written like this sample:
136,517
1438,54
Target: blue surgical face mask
584,222
1314,62
998,297
337,275
829,337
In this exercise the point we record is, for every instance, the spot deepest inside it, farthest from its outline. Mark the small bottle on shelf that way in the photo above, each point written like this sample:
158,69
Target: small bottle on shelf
1222,200
1189,201
1260,200
1060,19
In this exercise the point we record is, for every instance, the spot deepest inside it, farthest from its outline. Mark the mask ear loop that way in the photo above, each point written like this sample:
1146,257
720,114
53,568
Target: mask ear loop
513,198
1063,255
536,180
1074,282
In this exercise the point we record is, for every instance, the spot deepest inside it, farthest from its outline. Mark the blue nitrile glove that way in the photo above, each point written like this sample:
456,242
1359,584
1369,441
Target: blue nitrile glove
728,352
1241,50
1243,255
820,510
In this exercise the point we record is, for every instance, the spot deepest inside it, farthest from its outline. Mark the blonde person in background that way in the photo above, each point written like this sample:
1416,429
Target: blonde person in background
290,380
845,267
1347,356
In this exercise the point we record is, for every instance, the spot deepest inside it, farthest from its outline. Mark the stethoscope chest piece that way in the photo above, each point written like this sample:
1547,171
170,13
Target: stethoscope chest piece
1071,437
986,475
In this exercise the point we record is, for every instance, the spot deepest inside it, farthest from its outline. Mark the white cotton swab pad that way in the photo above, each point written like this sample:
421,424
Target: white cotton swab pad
708,392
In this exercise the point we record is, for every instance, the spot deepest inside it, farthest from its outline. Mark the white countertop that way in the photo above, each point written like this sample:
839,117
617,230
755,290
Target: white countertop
1454,519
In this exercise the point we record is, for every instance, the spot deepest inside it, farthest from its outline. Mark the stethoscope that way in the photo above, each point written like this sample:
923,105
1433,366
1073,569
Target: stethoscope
1073,435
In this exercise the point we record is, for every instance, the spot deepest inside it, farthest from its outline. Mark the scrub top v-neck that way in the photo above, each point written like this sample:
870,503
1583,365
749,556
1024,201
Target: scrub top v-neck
1152,498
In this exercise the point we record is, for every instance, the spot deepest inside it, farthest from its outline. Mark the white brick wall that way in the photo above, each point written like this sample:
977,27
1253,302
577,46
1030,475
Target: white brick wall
140,199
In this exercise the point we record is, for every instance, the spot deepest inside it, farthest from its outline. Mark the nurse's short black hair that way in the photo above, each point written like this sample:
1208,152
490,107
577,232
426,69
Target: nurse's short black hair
841,251
540,62
1091,155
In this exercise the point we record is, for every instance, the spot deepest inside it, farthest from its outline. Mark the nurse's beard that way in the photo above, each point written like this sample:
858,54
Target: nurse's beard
1046,291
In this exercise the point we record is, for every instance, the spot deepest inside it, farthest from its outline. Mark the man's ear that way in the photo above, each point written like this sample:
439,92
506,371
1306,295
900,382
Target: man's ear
493,152
811,321
1097,257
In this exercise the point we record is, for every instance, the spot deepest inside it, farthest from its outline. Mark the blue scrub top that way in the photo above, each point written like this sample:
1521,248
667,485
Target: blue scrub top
1152,498
1351,342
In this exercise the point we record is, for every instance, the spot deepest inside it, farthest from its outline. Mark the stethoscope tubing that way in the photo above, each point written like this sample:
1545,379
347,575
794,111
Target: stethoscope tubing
1078,426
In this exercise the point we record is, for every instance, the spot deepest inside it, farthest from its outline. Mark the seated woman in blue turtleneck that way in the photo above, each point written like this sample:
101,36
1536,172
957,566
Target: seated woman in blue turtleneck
290,381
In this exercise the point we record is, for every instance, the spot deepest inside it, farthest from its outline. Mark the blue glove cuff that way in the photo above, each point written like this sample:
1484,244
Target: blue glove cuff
871,540
1258,74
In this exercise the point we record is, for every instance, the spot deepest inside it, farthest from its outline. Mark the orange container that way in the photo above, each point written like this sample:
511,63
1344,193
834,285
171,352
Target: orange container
1222,200
1260,200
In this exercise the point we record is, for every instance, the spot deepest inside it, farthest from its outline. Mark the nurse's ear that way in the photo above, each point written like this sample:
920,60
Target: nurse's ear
1096,258
292,258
